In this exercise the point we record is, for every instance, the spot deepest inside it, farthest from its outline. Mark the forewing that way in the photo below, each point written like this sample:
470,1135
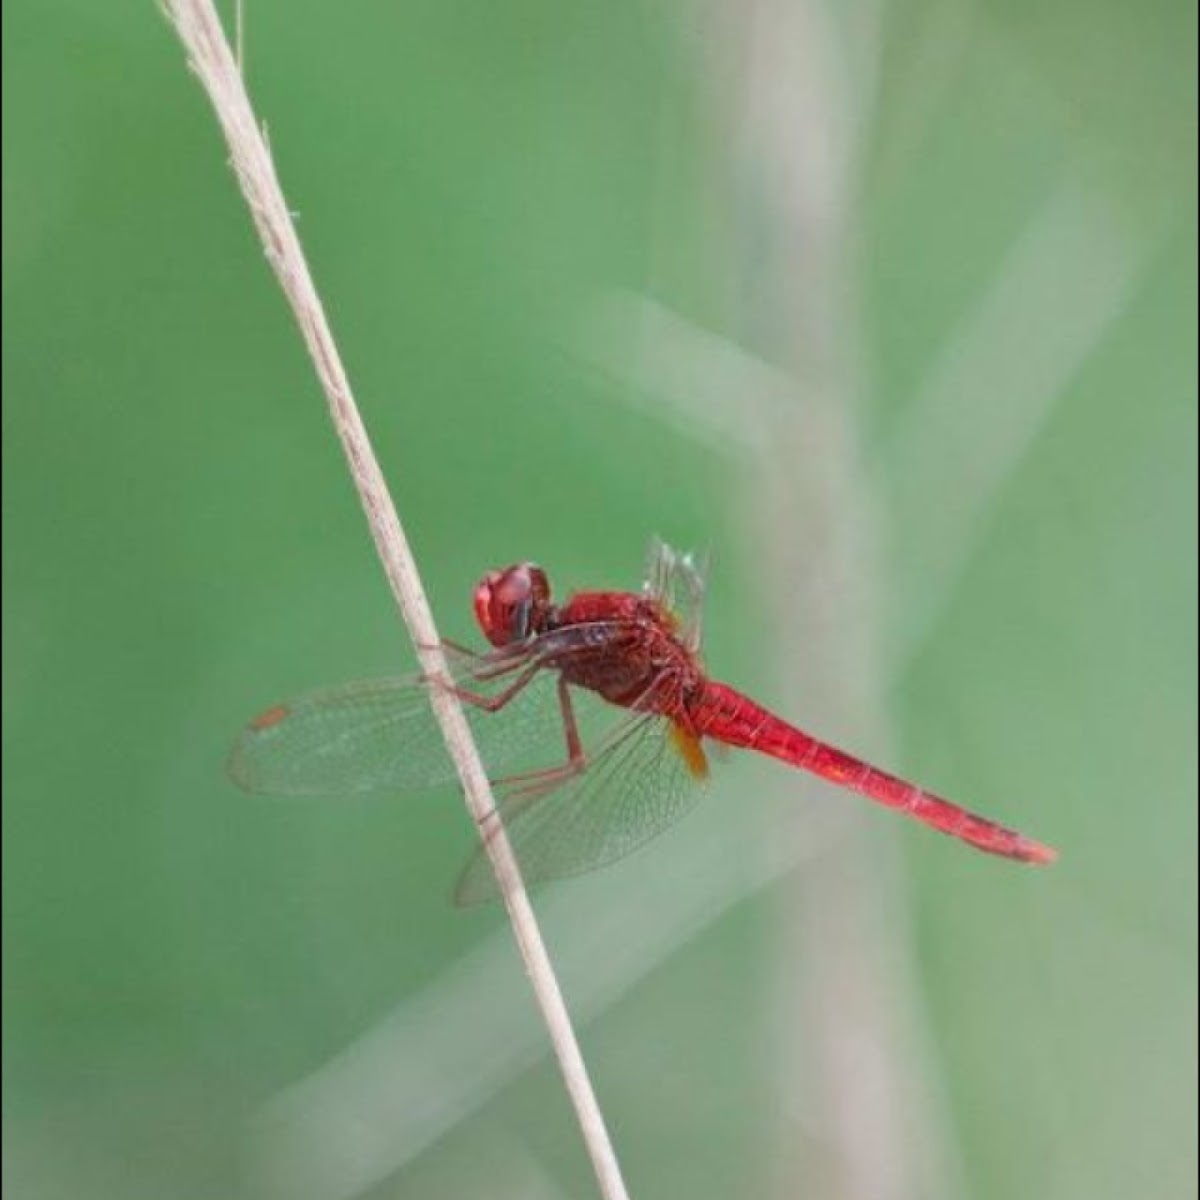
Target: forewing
634,788
381,735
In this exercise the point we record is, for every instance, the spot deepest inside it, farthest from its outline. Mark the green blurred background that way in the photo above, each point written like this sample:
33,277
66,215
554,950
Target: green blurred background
893,306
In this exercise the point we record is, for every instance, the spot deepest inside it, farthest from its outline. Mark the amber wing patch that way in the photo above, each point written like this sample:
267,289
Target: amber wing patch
690,749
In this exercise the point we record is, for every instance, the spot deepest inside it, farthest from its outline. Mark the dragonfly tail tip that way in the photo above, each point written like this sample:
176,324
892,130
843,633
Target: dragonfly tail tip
1037,853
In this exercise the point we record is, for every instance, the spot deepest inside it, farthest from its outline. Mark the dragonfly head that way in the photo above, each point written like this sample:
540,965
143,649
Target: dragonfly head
512,604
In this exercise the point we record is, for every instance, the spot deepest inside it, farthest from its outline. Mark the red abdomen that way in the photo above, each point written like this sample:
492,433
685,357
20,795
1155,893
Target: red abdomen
725,715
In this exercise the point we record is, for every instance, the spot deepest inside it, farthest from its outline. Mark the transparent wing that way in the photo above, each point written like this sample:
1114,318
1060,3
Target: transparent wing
374,735
636,786
678,581
381,735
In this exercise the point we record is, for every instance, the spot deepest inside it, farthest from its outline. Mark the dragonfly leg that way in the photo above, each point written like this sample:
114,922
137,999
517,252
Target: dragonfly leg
484,666
489,667
500,699
454,649
570,727
448,647
484,663
528,785
495,668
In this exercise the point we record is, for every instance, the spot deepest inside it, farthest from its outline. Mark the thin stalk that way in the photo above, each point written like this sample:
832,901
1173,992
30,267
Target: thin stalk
213,61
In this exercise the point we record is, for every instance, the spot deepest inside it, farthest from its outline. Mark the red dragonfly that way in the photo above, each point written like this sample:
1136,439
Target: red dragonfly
638,651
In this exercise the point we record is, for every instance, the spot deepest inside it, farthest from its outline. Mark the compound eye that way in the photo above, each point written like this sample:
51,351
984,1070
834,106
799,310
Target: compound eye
509,604
486,608
514,603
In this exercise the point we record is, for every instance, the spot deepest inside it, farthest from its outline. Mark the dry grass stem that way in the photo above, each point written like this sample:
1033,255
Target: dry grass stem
213,61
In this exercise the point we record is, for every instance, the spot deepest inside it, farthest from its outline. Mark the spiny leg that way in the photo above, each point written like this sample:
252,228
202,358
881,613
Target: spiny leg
487,664
526,786
500,699
491,669
450,648
457,650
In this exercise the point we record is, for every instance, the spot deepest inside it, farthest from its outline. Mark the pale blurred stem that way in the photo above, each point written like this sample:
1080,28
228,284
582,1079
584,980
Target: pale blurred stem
213,61
798,119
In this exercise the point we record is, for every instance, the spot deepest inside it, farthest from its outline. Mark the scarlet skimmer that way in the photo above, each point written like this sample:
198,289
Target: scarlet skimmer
637,651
